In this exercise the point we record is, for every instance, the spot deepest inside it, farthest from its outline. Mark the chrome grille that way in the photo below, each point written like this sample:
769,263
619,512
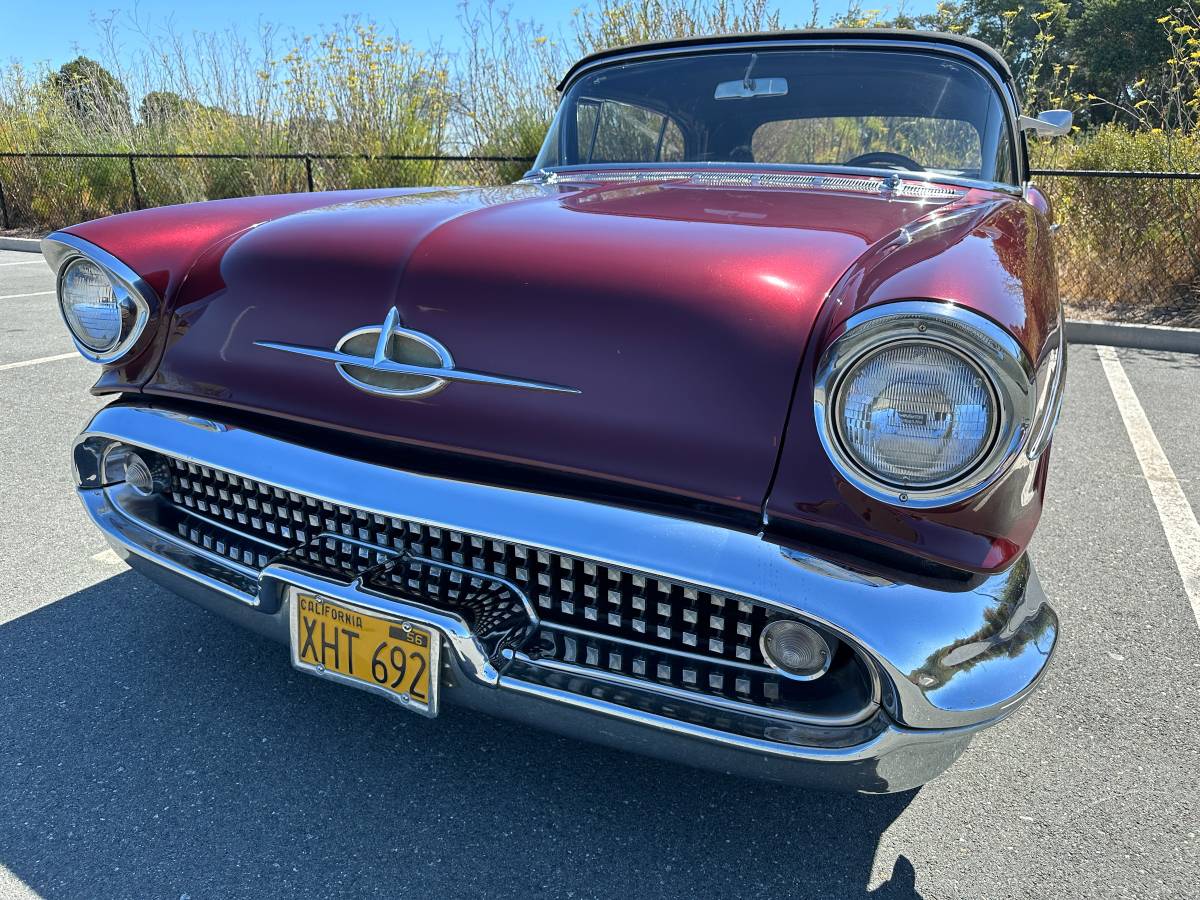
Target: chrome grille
592,617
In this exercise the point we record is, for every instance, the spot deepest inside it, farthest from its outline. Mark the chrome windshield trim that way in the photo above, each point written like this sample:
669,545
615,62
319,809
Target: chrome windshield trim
718,45
681,170
909,631
59,249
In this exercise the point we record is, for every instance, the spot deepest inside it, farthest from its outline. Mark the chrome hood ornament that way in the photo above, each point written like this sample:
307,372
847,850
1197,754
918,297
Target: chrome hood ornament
394,361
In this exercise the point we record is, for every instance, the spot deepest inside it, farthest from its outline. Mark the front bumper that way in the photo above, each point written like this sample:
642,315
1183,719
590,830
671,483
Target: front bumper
946,662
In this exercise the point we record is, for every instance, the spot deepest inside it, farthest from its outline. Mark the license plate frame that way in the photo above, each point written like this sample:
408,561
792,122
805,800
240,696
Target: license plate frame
403,633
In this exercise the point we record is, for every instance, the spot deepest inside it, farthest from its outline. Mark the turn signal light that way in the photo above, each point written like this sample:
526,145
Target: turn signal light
145,476
795,650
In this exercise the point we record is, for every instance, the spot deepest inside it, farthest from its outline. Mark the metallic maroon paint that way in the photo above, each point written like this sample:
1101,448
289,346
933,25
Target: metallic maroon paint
682,312
162,245
993,255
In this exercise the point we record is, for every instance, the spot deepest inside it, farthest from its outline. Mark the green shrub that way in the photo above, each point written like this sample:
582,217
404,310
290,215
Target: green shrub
1126,240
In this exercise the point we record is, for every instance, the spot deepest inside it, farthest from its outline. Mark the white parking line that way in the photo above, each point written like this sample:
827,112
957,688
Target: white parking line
27,262
34,294
1174,511
35,362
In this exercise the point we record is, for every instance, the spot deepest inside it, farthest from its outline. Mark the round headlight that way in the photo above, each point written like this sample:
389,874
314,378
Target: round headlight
914,414
923,403
98,312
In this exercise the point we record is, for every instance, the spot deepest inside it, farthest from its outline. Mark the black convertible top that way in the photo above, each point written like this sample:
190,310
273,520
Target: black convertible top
979,48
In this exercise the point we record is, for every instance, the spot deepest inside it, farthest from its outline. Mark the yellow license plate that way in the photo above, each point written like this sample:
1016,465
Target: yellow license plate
394,657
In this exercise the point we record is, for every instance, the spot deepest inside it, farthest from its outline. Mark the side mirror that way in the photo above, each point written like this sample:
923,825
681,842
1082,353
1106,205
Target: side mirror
1051,123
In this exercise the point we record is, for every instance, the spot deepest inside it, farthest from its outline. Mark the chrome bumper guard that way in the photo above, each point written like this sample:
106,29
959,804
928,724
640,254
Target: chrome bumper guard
948,662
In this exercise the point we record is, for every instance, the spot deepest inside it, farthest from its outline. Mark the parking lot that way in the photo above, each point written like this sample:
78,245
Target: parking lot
149,749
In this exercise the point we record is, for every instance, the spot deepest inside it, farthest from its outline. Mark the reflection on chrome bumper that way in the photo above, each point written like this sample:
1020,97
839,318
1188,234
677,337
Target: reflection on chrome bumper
948,662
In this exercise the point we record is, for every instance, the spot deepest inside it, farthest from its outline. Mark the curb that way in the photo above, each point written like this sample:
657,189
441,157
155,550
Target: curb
29,245
1139,337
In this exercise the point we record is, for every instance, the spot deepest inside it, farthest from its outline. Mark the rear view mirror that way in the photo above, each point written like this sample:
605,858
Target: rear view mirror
1051,123
748,88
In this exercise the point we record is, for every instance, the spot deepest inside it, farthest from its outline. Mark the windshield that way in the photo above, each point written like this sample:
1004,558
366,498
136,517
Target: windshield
890,109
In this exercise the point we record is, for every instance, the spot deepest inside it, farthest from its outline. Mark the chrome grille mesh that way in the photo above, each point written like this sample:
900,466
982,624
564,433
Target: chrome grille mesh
592,616
604,599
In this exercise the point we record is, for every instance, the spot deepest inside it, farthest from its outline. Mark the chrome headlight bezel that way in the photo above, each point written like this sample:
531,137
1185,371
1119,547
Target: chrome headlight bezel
61,250
1050,384
979,342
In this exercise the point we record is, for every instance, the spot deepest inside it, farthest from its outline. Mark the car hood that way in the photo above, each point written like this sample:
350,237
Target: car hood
678,313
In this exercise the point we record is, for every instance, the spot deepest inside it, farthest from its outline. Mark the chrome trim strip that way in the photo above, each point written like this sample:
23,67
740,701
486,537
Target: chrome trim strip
240,535
980,343
380,362
705,699
59,249
131,536
707,660
910,632
1043,430
120,495
871,749
924,46
346,359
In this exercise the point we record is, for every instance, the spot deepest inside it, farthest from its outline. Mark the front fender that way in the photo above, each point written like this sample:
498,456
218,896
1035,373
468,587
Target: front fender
991,254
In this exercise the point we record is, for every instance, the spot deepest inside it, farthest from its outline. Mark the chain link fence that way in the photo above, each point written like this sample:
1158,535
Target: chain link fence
44,191
1128,248
1128,244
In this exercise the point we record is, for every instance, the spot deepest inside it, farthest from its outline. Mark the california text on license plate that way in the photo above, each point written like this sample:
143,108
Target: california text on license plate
394,657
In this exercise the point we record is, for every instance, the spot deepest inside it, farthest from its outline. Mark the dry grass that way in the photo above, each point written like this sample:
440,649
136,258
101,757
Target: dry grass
356,89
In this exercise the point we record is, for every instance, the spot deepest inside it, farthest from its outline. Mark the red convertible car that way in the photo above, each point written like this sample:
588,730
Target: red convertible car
720,436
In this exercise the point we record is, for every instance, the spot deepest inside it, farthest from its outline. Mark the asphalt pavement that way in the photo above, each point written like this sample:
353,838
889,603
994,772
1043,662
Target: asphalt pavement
149,749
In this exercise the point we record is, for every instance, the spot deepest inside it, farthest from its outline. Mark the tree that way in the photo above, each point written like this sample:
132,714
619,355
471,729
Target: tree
92,95
1104,46
1117,43
161,109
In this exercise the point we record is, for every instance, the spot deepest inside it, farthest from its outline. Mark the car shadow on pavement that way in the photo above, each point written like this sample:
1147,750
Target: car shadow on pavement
152,750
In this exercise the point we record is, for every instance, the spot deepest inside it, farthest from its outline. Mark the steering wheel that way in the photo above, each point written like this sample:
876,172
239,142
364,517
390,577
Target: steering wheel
881,159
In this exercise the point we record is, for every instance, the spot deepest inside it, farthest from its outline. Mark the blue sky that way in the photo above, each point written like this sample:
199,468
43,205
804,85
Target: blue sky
67,30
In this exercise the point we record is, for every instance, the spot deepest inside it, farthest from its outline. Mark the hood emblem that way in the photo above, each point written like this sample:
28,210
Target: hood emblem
394,361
